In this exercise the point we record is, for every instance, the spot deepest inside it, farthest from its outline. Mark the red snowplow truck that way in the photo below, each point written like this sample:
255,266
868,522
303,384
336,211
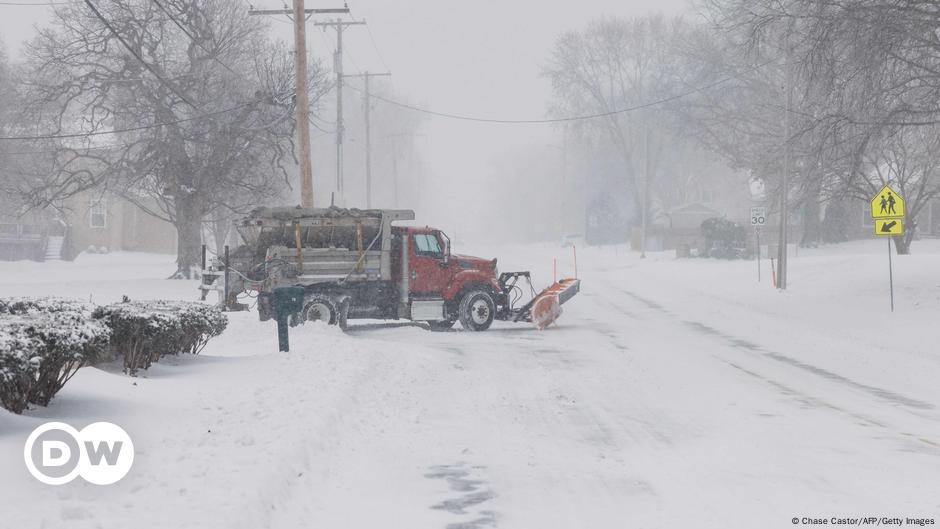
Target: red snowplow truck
355,263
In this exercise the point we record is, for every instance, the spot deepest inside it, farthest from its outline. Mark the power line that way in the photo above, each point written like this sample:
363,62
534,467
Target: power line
564,119
144,63
50,151
130,129
192,37
550,120
376,46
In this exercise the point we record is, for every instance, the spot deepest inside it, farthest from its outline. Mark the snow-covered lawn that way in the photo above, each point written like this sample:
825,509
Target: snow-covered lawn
673,393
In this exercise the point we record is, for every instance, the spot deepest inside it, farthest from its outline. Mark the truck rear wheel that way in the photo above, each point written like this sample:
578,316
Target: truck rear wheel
477,310
321,308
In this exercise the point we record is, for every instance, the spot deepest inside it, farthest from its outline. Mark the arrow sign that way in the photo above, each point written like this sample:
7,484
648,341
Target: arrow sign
889,227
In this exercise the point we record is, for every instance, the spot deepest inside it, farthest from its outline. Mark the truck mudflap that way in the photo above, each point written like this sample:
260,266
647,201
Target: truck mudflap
545,307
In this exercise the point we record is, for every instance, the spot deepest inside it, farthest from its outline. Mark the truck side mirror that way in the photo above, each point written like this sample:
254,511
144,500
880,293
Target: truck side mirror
446,240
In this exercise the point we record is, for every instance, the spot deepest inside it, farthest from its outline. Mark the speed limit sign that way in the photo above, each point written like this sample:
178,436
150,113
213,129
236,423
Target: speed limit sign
758,216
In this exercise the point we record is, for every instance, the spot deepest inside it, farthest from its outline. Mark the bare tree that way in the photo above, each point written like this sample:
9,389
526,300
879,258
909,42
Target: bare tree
616,64
200,103
867,72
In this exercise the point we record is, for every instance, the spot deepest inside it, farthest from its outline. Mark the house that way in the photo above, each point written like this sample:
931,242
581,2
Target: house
104,221
684,225
24,233
89,221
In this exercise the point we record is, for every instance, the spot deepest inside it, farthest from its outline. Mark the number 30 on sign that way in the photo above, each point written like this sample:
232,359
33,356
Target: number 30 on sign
758,216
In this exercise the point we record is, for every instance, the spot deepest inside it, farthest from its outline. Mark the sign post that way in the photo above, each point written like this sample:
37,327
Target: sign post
887,210
758,219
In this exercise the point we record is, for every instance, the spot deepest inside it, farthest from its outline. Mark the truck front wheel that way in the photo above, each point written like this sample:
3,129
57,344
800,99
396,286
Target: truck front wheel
477,310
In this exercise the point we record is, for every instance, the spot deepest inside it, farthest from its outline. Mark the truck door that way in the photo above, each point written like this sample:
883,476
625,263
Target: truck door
430,272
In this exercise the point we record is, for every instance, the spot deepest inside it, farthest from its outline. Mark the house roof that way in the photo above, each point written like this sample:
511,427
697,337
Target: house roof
697,208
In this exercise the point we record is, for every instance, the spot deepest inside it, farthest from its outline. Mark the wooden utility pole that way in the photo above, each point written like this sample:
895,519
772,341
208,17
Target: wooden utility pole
785,180
302,101
644,210
303,105
368,104
339,25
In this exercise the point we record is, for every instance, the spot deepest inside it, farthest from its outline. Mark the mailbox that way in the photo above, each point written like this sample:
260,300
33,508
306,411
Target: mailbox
287,301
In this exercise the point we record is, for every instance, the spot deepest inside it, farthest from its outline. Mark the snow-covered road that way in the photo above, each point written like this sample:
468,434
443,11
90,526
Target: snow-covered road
668,396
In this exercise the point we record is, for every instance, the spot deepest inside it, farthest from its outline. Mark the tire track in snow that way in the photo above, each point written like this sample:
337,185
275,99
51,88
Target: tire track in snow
881,393
757,351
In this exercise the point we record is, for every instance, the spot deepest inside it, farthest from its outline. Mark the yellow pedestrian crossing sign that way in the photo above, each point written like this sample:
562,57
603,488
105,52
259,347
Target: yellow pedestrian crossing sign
889,227
887,204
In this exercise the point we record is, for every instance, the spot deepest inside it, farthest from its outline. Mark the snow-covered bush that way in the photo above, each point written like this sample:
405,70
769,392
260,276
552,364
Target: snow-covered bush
724,239
45,304
143,331
200,323
41,351
18,364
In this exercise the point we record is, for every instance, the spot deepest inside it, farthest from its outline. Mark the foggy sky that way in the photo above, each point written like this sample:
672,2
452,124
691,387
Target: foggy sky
479,57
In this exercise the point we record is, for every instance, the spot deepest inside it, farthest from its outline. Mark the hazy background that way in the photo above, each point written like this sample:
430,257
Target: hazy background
481,58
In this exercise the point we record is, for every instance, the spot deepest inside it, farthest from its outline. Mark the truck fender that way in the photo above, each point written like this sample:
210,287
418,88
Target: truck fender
466,277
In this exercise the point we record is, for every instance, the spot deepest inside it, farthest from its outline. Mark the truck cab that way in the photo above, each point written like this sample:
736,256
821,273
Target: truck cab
437,280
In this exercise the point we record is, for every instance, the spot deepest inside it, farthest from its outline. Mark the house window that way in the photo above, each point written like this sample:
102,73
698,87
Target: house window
867,221
98,213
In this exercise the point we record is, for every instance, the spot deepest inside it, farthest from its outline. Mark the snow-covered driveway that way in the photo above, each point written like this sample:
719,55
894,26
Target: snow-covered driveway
661,400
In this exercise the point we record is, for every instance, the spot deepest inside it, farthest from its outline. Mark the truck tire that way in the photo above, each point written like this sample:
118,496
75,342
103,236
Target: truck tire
321,308
476,310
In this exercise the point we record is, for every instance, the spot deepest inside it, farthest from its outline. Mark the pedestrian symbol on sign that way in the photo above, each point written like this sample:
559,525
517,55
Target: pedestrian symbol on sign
887,204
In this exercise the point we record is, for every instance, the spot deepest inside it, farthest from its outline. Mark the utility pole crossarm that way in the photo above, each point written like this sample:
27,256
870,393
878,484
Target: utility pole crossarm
327,11
341,23
368,74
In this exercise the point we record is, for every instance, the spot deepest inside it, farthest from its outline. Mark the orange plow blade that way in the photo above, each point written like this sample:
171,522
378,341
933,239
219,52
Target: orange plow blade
546,307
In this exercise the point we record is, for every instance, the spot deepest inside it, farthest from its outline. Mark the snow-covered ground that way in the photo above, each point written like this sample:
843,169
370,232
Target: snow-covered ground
673,393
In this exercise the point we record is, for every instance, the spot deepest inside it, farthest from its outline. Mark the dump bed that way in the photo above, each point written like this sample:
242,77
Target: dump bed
304,246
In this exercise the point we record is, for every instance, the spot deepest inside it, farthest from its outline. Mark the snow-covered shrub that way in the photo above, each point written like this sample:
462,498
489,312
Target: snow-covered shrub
724,239
19,305
143,331
18,364
200,324
41,351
